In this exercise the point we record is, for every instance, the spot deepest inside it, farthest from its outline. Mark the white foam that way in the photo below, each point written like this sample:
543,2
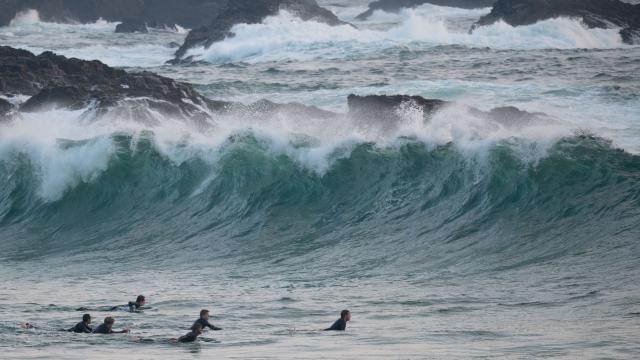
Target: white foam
425,11
313,143
93,41
287,37
25,17
180,30
59,167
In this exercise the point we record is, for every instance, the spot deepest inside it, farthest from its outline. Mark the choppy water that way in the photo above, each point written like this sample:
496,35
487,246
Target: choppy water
457,238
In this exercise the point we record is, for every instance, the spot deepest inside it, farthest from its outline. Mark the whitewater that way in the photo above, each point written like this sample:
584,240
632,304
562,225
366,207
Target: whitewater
457,237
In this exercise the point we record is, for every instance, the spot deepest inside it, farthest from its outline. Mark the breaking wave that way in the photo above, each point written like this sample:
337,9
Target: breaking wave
285,36
452,193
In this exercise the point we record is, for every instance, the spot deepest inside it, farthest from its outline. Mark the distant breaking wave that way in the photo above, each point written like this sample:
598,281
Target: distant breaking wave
91,41
287,37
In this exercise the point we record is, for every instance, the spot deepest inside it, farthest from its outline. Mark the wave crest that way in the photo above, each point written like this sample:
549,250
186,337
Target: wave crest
286,37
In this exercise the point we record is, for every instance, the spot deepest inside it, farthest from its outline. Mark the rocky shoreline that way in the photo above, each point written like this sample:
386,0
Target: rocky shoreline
593,13
49,81
212,20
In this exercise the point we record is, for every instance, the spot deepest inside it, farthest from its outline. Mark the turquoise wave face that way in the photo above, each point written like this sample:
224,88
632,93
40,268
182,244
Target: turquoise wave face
412,206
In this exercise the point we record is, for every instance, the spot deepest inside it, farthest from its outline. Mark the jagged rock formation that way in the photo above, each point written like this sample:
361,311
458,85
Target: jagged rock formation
593,13
252,12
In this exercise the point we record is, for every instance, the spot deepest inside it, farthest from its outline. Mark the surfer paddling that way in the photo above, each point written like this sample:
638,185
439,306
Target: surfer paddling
203,321
107,327
341,324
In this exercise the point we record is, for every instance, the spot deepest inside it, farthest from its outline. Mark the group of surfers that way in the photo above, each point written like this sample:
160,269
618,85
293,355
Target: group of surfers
196,329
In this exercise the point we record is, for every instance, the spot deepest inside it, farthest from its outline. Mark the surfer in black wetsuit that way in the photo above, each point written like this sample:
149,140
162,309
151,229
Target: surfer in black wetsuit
203,321
107,327
83,326
196,330
341,324
133,306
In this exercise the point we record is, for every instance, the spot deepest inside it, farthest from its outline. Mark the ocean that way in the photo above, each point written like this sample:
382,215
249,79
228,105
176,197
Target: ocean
456,238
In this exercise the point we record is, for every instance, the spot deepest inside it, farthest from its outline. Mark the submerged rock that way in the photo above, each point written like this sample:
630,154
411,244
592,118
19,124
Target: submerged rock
593,13
512,117
397,5
268,109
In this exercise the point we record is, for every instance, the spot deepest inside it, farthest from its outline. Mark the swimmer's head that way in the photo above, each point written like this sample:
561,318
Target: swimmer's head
140,300
109,321
86,318
345,315
204,314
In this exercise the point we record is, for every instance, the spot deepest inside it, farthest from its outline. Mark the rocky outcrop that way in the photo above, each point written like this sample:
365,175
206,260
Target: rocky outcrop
7,110
630,35
387,111
53,81
397,5
191,13
388,107
56,81
593,13
252,12
211,20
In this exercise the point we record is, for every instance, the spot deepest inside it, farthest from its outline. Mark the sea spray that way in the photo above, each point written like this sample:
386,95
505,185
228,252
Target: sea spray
287,37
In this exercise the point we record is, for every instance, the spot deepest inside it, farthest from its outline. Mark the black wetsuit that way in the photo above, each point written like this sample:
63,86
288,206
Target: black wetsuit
205,324
102,329
340,324
81,327
190,337
133,307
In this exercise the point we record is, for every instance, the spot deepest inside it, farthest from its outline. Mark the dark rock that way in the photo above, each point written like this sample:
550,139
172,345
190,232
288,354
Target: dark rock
252,12
6,110
593,13
69,97
132,26
512,117
386,107
386,111
211,20
397,5
191,13
630,35
56,81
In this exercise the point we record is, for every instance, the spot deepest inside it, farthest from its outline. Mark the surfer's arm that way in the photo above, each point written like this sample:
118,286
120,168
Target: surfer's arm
211,326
